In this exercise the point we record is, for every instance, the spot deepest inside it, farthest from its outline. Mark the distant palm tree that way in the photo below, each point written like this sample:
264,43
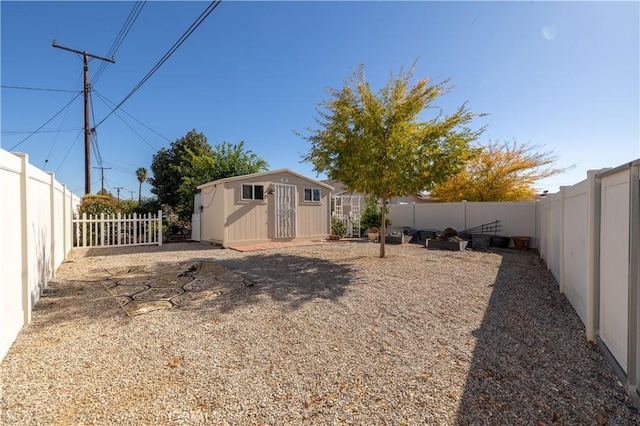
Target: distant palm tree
141,173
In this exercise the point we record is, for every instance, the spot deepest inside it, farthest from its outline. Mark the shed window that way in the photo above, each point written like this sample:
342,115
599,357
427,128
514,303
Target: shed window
253,192
312,195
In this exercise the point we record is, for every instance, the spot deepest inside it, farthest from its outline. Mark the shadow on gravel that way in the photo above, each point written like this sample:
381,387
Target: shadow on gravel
532,363
166,247
66,301
289,279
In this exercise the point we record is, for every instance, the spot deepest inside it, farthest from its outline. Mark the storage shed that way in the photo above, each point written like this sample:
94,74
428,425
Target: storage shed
278,205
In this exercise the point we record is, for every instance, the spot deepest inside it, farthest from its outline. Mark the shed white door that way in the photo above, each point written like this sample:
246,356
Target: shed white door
285,197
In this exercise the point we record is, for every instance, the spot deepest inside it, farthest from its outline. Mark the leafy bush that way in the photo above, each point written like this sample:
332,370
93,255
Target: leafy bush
372,215
338,227
128,207
97,204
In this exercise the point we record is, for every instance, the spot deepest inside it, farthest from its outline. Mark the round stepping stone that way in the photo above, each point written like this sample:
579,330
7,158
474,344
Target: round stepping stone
138,307
156,294
169,280
127,290
195,297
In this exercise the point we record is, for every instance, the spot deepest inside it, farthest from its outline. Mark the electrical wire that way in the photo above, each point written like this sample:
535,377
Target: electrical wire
129,126
111,105
64,117
94,135
22,132
166,56
119,168
47,122
38,88
122,34
68,151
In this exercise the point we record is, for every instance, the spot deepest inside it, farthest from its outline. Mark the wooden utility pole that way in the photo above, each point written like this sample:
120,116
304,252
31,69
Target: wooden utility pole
87,127
102,178
118,188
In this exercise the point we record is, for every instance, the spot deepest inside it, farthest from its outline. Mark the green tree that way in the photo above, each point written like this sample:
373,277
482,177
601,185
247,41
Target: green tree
226,160
376,144
500,172
170,165
141,174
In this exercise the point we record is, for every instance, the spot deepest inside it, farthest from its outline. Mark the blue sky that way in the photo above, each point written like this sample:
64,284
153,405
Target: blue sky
564,75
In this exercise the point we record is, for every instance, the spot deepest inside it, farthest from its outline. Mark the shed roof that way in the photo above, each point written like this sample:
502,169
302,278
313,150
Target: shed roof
264,174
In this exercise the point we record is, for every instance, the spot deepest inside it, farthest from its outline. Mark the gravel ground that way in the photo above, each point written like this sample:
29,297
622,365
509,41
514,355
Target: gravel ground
327,334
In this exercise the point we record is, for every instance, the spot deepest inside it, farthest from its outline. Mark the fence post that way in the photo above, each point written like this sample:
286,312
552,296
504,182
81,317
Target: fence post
84,229
563,189
53,225
26,241
464,204
159,227
118,229
65,225
413,225
593,271
634,276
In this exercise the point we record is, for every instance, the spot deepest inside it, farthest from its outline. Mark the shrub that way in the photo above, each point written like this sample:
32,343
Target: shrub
372,215
338,227
97,204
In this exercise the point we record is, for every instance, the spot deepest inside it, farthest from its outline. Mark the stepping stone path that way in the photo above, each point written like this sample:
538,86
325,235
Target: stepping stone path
139,289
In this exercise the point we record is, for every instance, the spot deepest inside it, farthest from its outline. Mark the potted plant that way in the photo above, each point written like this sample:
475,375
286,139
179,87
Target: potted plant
338,229
372,234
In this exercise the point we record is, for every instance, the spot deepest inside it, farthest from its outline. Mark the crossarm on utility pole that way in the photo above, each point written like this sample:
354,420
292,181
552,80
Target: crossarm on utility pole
87,126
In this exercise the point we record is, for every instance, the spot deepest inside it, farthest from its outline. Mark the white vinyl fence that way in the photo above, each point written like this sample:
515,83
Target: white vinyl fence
35,238
590,240
118,230
516,219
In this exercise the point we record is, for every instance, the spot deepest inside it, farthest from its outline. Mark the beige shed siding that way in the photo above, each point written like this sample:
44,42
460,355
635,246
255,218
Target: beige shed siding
312,217
212,219
229,220
247,220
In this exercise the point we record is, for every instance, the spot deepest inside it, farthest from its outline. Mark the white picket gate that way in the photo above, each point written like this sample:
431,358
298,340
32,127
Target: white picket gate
118,230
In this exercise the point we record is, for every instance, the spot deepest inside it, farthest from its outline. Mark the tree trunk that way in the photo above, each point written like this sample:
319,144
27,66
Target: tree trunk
140,194
383,226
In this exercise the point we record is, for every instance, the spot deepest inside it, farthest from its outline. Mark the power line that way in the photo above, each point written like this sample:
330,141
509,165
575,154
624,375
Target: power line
38,88
166,56
122,34
64,117
47,122
69,150
127,124
107,101
22,132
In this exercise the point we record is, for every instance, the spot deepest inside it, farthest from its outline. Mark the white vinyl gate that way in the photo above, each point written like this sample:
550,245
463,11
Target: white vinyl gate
117,230
285,197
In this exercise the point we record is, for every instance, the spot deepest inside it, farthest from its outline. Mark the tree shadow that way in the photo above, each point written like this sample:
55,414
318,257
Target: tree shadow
289,280
532,363
166,247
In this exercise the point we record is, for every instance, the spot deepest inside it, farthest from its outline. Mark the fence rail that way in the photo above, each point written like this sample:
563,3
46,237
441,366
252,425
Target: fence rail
118,230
